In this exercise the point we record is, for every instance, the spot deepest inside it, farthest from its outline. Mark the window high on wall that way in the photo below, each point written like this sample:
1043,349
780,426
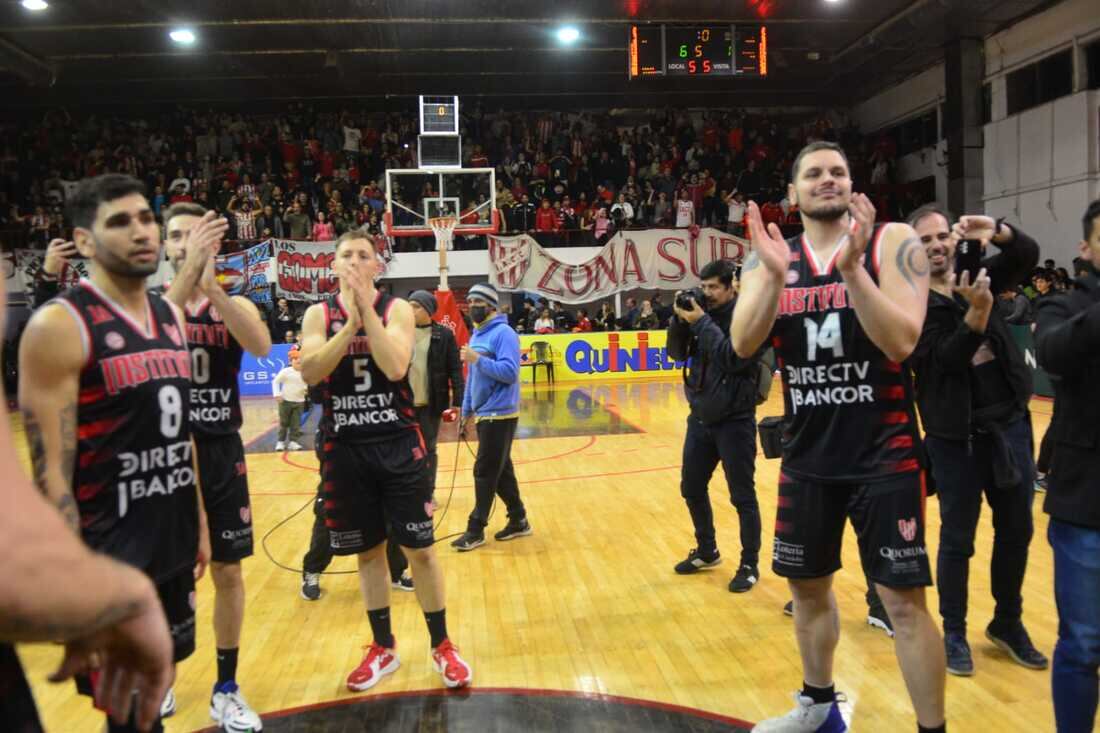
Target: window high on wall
1092,64
1041,82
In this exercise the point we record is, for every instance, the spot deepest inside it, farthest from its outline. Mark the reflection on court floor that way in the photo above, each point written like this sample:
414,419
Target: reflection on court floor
545,412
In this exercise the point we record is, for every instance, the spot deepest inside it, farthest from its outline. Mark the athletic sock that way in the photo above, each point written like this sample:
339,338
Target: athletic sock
819,695
380,627
437,626
935,729
227,665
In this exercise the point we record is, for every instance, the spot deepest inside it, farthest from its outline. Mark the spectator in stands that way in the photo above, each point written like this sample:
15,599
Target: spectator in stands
323,230
584,325
601,226
647,318
664,312
282,321
685,210
296,224
268,224
735,214
1014,307
545,223
544,323
622,213
605,318
523,215
244,216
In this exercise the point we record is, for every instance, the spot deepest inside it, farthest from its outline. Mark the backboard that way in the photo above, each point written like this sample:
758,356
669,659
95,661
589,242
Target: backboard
415,195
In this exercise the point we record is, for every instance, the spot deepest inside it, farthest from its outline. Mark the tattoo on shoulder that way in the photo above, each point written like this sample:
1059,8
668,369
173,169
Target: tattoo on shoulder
751,262
911,261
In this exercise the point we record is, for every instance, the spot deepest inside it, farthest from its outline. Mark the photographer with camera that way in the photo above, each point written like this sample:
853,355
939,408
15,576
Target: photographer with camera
973,389
1067,337
721,389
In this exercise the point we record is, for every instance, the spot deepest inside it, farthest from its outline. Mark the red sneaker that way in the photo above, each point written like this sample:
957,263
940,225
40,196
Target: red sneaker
451,667
377,663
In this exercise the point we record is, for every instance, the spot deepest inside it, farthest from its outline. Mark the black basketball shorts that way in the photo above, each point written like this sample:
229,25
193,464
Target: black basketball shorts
375,491
223,476
177,598
888,518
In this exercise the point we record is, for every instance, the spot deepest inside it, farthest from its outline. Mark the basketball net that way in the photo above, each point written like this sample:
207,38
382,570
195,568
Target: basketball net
443,227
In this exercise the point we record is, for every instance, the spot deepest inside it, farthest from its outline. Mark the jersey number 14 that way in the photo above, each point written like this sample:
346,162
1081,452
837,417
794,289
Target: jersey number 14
825,336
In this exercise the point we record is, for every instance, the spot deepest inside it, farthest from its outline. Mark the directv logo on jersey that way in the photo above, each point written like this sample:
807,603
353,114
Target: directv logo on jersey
209,405
164,469
828,384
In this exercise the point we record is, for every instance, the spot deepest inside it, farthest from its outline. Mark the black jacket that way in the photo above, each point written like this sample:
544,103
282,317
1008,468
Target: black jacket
941,361
1068,346
445,383
719,384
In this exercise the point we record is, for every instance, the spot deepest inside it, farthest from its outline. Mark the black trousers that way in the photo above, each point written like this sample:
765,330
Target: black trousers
494,474
429,428
733,442
319,555
964,471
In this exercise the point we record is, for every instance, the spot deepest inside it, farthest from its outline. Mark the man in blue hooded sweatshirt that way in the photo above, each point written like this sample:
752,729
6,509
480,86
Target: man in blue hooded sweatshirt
492,401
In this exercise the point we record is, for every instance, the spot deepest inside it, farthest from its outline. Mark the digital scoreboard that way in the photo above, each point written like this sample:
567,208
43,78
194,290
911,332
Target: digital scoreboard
711,50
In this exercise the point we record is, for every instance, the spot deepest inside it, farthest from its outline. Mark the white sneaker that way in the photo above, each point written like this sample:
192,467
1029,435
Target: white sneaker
807,717
294,445
229,710
168,707
280,445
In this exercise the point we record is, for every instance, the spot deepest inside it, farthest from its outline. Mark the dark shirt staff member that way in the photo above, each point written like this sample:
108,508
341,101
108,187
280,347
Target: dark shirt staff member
973,388
721,390
491,399
435,375
1068,343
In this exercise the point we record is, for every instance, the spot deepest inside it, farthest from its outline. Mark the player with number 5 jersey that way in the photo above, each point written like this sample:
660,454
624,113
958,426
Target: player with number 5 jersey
104,389
358,345
220,328
843,305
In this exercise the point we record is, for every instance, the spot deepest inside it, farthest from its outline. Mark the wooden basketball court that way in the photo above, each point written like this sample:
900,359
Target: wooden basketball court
589,603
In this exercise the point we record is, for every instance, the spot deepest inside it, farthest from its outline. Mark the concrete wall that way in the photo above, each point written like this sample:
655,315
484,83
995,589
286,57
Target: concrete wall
1042,166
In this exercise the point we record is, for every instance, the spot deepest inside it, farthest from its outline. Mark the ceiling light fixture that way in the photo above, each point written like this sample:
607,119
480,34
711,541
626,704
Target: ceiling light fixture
568,34
35,4
184,36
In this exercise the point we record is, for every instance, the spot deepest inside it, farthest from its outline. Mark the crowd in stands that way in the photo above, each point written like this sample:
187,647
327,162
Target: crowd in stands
310,174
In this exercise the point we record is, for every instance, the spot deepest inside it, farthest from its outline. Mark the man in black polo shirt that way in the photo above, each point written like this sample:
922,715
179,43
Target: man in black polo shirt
1068,340
973,389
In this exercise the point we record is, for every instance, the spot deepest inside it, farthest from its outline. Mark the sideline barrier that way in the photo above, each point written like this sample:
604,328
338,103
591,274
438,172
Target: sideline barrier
596,356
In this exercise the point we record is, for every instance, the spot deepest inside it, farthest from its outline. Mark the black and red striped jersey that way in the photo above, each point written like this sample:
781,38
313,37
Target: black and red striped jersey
215,363
849,408
361,404
133,481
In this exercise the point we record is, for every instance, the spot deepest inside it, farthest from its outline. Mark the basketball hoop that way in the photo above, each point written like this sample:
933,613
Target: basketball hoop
443,228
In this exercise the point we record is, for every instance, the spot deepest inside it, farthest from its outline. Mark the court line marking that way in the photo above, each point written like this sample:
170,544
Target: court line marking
514,691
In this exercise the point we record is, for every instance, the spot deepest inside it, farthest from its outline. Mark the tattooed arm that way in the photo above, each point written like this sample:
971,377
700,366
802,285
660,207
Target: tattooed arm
51,355
892,313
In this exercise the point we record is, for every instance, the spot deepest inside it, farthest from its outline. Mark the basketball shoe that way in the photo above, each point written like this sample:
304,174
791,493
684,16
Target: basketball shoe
377,663
451,667
229,710
807,717
512,530
168,705
696,561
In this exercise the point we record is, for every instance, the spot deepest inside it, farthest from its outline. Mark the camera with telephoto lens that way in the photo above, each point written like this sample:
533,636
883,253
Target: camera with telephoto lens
685,298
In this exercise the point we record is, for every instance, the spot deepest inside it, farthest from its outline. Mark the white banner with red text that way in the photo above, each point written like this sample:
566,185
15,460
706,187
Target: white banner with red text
303,270
652,259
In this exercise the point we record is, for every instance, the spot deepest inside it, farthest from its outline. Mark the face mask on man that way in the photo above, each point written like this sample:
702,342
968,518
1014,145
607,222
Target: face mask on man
478,313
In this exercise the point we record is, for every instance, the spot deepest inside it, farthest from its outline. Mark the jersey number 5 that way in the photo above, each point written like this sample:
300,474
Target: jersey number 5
362,372
825,336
